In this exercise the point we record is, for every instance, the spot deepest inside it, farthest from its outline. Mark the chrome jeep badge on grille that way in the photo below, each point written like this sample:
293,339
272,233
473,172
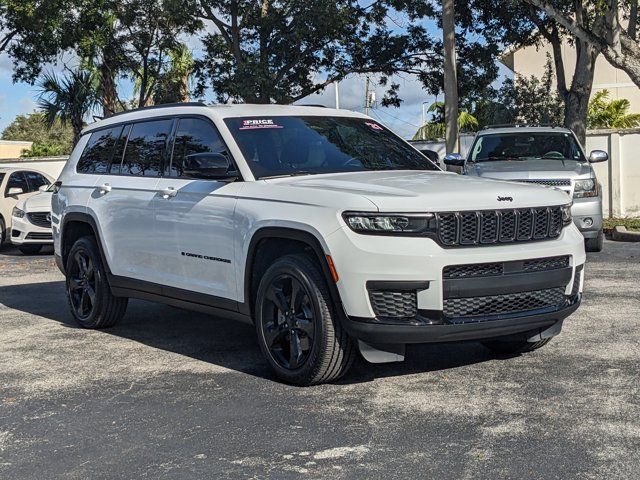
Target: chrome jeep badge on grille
505,199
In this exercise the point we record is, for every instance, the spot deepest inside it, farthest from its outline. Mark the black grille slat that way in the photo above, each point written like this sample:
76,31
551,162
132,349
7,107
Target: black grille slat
540,223
472,270
507,226
448,228
499,268
552,182
390,304
41,219
39,236
488,227
525,225
543,264
555,223
469,307
469,231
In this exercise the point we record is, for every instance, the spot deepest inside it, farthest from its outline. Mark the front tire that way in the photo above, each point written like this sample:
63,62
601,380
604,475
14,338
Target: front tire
88,292
30,248
594,244
298,328
502,347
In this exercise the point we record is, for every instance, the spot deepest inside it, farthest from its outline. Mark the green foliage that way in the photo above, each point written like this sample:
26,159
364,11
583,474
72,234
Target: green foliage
435,128
605,113
173,84
54,141
629,223
68,99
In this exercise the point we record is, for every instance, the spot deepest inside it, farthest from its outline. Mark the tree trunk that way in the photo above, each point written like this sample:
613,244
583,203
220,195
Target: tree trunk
107,89
450,76
576,99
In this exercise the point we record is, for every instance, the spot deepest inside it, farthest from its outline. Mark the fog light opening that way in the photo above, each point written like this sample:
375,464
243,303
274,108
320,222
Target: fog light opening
587,222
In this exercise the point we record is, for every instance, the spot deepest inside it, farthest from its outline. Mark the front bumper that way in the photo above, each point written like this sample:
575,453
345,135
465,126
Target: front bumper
378,333
24,232
587,215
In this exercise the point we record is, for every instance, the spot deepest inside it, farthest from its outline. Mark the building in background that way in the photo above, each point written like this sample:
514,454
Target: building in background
13,149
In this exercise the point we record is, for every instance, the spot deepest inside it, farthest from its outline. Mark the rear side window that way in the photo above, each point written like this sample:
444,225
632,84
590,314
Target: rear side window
97,155
194,135
145,148
35,180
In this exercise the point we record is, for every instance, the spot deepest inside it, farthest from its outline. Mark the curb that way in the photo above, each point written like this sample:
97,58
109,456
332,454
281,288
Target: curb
621,234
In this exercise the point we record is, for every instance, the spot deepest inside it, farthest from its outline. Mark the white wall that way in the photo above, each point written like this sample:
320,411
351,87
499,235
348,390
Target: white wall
620,176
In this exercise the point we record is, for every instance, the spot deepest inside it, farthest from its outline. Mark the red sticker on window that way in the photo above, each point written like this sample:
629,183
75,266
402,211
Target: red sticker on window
373,126
254,124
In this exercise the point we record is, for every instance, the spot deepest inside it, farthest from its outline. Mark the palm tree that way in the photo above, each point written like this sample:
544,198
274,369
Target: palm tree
605,113
69,99
436,128
173,85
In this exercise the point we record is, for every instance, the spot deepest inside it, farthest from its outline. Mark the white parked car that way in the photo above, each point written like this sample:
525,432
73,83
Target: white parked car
321,227
17,184
31,222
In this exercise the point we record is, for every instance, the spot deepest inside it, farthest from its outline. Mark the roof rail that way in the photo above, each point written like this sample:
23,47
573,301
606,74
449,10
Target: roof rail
310,105
523,125
162,105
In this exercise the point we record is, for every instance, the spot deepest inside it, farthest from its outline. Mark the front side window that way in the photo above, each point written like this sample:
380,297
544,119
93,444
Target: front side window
145,148
17,180
274,146
35,180
526,146
193,135
98,152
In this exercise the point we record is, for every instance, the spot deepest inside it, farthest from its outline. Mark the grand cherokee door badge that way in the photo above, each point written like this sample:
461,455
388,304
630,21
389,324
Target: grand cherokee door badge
205,257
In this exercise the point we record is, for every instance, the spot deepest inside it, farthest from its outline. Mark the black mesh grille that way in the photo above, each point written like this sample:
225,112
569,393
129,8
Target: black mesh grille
39,236
553,182
388,304
41,219
549,263
499,226
473,270
502,304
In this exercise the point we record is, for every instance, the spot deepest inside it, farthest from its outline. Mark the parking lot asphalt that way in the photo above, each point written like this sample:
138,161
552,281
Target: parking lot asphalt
174,394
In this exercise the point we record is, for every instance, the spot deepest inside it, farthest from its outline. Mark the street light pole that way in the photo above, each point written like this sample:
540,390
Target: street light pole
450,76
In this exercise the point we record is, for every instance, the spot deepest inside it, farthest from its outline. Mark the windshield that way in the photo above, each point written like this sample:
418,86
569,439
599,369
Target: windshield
526,146
281,146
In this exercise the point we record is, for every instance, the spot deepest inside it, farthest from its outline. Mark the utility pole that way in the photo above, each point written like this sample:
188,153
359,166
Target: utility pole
450,76
366,97
335,84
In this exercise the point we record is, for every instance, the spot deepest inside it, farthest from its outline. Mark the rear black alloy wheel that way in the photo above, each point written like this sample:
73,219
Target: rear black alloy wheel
82,285
90,299
298,325
288,321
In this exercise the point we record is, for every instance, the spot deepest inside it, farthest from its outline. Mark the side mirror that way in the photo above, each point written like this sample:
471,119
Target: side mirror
214,166
597,156
454,159
14,191
43,188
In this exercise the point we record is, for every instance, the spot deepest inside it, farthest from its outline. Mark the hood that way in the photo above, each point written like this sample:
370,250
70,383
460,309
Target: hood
530,169
410,191
40,202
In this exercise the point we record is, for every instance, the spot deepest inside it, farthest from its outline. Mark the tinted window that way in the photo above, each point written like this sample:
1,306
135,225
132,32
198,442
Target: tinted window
99,150
17,180
145,148
526,146
194,135
119,150
35,180
306,145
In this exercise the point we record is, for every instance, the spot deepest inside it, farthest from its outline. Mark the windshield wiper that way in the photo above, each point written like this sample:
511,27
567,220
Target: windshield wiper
294,174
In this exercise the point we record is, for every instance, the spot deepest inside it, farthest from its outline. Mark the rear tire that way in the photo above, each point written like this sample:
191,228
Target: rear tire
298,327
30,248
88,292
594,244
514,347
3,232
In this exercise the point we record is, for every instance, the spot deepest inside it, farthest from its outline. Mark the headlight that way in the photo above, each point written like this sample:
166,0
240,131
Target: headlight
391,224
566,214
585,188
17,212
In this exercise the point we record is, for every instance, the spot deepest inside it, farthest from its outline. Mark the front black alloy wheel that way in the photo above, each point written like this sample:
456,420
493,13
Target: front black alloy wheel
298,327
88,293
288,321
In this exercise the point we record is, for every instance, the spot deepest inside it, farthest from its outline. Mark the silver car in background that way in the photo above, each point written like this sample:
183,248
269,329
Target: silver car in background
550,156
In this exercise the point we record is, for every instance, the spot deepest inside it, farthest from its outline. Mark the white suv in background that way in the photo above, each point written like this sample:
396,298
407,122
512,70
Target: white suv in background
31,222
321,227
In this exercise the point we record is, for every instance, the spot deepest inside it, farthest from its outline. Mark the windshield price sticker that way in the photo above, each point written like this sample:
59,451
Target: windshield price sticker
374,126
259,123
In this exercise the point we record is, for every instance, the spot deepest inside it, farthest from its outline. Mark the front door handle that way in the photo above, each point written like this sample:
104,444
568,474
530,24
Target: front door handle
168,192
104,188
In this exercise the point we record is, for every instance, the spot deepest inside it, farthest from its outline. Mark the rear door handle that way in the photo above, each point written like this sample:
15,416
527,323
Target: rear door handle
168,192
104,188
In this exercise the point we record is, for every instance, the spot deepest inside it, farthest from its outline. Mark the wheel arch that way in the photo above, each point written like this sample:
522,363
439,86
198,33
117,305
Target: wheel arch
74,226
284,236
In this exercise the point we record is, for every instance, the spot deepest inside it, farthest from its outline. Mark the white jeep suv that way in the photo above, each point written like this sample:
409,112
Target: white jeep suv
321,227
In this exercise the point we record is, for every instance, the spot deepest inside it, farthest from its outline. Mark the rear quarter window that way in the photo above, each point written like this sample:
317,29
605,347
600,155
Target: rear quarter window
98,152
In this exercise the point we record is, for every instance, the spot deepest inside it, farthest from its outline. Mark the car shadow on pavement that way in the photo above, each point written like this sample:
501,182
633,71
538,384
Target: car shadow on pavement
227,343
